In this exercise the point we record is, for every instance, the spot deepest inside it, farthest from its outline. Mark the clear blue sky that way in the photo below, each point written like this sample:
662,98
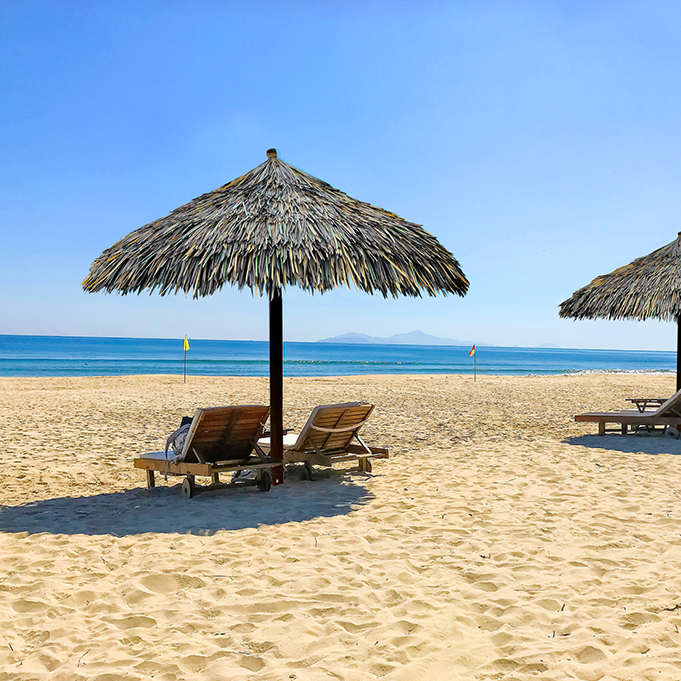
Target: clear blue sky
539,141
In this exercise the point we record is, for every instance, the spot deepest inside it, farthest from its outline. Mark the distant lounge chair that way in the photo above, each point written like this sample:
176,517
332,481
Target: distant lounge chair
327,438
643,403
667,413
220,440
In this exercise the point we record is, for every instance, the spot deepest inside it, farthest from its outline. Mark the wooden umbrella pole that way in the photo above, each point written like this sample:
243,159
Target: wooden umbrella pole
678,353
276,376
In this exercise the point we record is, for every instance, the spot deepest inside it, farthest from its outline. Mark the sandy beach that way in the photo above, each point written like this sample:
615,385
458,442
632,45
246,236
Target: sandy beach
500,541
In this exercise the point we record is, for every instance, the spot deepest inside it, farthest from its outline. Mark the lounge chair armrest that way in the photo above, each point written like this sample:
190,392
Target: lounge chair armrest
377,452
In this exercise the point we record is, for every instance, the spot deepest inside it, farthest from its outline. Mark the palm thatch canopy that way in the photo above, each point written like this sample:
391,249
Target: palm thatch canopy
647,288
273,227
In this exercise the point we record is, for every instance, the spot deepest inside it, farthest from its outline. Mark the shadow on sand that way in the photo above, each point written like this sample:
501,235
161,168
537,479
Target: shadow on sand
633,444
164,510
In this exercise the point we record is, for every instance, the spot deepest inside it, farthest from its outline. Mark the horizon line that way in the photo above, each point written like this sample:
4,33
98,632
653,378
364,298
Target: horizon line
483,346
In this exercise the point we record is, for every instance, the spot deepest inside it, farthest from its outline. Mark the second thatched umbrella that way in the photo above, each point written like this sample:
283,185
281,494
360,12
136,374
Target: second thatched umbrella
647,288
273,227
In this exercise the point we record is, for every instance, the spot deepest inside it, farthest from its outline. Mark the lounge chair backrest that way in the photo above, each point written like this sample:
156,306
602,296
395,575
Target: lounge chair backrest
225,433
332,427
672,407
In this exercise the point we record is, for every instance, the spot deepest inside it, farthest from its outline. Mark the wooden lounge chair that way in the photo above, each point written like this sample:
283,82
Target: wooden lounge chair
665,415
327,438
220,440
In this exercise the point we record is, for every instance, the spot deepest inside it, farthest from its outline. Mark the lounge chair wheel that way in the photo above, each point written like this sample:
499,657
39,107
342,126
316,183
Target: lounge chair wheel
306,471
187,488
265,482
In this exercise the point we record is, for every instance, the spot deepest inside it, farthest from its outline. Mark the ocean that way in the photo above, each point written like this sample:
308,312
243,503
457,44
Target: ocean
81,356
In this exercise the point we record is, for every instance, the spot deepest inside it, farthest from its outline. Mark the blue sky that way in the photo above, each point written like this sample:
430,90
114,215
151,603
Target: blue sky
539,141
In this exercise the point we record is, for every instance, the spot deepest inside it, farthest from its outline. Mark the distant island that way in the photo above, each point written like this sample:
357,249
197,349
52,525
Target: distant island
412,338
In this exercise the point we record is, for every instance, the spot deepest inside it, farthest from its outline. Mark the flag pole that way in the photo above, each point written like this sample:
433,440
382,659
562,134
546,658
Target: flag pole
186,347
475,367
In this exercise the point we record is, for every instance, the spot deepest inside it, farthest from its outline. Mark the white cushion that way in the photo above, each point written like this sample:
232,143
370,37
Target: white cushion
159,456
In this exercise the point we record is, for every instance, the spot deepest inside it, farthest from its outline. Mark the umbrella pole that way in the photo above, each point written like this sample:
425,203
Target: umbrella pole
678,353
276,376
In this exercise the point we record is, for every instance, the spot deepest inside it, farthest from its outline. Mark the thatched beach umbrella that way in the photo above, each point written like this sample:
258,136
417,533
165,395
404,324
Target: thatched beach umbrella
647,288
273,227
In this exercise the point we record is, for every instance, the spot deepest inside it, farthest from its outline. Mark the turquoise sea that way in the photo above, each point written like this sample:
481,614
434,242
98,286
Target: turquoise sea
81,356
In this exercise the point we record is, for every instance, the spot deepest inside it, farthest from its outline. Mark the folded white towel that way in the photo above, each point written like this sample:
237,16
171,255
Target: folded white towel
289,440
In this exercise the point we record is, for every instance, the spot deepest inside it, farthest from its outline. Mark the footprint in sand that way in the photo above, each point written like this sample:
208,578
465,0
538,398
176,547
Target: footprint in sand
160,583
164,583
134,621
635,619
501,639
381,669
49,662
134,596
486,586
252,663
23,605
194,663
590,655
189,582
406,627
352,628
82,598
636,590
549,604
490,624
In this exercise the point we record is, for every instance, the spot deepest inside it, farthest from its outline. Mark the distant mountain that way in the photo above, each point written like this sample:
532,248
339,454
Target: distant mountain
548,345
412,338
350,338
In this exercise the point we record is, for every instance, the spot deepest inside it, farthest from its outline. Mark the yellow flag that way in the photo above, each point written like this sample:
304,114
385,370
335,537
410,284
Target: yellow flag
186,344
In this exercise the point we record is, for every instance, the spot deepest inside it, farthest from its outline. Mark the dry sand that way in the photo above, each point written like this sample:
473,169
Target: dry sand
502,541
